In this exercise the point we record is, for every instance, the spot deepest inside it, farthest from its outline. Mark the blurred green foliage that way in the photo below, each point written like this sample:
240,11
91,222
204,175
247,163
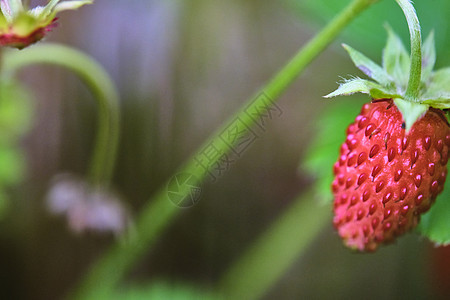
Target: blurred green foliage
162,290
15,119
367,32
435,224
15,112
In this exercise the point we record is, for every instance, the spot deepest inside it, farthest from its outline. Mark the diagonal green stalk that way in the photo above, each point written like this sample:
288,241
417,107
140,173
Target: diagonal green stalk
313,48
413,89
158,212
105,148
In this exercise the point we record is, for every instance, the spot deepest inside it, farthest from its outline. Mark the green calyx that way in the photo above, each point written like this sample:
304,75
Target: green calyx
391,79
409,80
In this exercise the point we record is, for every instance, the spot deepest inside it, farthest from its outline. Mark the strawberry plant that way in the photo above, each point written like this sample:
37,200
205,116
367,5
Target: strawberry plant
393,163
390,176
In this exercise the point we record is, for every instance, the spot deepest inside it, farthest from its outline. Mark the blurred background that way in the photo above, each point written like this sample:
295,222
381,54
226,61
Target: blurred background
182,69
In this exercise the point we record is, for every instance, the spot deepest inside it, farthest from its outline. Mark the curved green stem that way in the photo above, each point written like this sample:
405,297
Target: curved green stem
104,154
159,210
412,91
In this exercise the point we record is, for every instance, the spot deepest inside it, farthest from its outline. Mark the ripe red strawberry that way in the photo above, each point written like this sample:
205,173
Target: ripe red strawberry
385,178
393,163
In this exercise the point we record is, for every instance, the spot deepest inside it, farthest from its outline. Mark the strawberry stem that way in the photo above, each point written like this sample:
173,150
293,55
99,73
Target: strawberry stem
412,91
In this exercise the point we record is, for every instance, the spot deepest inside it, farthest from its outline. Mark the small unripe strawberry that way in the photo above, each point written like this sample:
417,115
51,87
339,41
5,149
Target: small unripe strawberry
385,178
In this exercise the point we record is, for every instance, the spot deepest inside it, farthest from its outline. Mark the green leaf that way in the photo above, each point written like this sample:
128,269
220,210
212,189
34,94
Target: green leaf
358,85
428,57
329,135
439,85
396,59
441,102
376,93
435,224
367,66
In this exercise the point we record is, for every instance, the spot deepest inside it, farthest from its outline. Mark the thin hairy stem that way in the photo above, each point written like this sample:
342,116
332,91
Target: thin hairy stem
413,89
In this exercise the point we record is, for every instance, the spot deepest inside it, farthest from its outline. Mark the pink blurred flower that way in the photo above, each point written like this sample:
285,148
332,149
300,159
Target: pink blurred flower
87,208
